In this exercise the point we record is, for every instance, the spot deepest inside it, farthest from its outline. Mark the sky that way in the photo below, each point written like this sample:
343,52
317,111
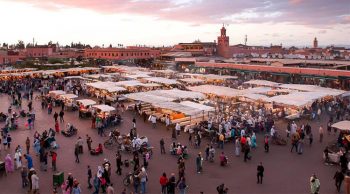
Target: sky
168,22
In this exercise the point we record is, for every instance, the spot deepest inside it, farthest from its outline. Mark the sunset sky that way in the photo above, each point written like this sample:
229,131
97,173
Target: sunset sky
167,22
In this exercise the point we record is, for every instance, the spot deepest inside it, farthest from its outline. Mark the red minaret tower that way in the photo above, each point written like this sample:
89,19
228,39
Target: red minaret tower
315,43
223,44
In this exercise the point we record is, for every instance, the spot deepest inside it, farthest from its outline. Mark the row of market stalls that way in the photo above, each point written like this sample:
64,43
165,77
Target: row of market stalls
49,73
275,96
85,106
181,106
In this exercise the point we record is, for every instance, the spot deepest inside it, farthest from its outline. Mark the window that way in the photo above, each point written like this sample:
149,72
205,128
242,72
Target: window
121,54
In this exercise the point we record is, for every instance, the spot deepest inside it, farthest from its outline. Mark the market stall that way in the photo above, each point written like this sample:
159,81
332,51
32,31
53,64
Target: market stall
103,111
68,100
85,106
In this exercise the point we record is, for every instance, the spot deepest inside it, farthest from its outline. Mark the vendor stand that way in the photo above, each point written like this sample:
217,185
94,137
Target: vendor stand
68,100
85,106
54,94
103,111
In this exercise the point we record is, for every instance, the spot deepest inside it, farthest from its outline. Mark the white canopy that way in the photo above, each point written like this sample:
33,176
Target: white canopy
57,92
178,108
191,80
109,86
342,125
87,102
131,83
68,96
149,98
73,77
162,80
297,99
257,90
256,97
197,106
262,83
104,108
313,88
216,90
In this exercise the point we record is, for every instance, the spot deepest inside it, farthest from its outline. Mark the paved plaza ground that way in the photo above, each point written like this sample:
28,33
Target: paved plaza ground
285,172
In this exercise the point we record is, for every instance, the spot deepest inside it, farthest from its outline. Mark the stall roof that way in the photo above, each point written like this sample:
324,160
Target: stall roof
313,88
162,80
197,106
256,97
177,94
104,108
216,90
297,99
256,90
149,98
69,96
165,71
191,80
109,86
342,125
262,83
131,83
87,102
178,108
97,76
73,77
57,92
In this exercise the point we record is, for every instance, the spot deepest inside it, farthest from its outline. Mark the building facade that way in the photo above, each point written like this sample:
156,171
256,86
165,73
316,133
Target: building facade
122,53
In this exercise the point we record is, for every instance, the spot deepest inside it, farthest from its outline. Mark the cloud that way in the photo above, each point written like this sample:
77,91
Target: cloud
301,12
322,31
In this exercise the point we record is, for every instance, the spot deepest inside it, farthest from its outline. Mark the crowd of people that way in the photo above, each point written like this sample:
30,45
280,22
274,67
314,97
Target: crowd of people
240,127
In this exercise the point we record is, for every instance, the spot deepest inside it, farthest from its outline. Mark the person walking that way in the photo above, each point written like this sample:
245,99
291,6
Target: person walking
61,116
35,183
162,146
76,153
143,179
163,180
314,184
260,173
55,116
199,163
53,160
320,131
119,163
24,175
29,161
338,177
171,184
181,185
89,173
266,143
88,142
27,145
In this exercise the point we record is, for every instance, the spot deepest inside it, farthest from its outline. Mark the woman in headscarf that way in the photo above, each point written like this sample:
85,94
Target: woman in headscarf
253,140
18,159
99,171
8,164
37,146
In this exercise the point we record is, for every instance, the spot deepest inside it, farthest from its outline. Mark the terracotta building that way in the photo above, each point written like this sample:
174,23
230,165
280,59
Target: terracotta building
122,53
39,51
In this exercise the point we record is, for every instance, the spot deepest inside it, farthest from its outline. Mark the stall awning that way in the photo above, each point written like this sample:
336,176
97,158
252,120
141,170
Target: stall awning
342,125
57,92
104,108
86,102
68,96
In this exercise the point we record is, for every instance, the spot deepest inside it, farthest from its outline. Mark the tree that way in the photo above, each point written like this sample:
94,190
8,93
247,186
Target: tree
20,45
